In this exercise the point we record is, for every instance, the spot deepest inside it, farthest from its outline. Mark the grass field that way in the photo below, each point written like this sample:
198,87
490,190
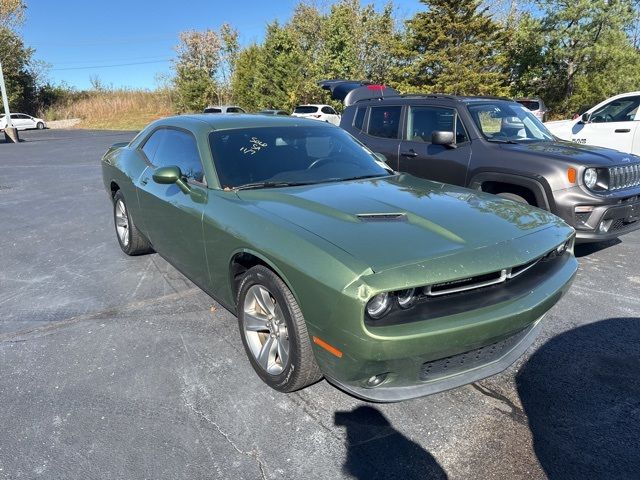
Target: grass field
113,109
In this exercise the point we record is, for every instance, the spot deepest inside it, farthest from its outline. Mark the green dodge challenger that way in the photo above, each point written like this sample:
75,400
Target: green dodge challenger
389,286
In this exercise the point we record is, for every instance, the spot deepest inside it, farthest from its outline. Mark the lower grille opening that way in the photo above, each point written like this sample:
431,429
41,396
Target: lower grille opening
471,359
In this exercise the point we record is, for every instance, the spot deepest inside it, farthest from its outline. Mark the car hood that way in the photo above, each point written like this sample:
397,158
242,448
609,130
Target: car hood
587,155
401,220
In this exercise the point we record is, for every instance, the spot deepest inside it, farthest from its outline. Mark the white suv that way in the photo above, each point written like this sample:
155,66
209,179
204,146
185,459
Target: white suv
22,121
324,113
614,123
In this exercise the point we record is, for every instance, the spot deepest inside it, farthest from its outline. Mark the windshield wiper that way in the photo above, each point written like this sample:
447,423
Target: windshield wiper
499,140
267,184
347,179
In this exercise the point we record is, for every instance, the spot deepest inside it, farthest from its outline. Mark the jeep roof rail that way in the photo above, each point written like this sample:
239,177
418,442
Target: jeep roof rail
352,91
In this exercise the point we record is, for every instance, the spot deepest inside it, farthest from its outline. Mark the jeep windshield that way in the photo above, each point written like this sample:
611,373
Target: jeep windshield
273,157
504,122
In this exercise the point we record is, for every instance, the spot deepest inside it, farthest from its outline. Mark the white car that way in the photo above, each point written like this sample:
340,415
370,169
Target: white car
614,123
324,113
536,105
22,121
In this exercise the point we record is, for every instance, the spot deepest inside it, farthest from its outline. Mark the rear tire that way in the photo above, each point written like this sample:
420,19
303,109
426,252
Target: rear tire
274,332
131,241
514,197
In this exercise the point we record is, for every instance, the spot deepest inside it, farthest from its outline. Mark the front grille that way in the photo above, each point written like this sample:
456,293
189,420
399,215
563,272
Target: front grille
624,177
620,224
481,281
471,359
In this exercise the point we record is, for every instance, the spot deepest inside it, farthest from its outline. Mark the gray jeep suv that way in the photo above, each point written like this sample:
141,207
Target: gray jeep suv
496,145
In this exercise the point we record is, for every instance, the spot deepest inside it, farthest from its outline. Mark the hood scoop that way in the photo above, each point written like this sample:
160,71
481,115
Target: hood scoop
382,217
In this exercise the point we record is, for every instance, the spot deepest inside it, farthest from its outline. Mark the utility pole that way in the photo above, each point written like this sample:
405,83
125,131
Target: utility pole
10,132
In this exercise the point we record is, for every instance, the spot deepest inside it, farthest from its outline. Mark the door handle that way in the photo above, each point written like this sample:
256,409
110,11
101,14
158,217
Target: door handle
144,181
410,153
622,130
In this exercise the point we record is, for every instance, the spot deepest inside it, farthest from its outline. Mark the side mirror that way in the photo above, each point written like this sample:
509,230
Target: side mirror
439,137
169,175
380,157
586,118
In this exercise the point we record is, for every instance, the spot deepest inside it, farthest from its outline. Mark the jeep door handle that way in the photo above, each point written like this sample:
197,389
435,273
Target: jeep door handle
622,130
410,153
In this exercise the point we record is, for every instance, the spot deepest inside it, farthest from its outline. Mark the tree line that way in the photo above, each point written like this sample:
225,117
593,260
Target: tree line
571,53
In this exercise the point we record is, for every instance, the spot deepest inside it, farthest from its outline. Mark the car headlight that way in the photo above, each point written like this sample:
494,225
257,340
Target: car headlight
590,177
406,298
378,305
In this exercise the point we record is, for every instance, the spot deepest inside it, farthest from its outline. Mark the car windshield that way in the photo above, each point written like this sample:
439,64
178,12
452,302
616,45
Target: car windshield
508,122
306,109
281,156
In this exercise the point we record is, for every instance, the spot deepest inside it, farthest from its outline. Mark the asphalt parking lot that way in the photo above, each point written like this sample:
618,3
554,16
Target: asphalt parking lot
119,367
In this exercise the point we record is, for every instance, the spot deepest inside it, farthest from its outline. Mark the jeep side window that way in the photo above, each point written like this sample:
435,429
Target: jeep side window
621,110
384,121
423,121
461,133
358,119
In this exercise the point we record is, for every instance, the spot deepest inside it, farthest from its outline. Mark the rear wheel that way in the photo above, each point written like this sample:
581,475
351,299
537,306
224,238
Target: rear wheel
514,197
274,332
129,237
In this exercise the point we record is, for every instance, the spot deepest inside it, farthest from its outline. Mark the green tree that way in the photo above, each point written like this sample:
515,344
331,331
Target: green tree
19,77
576,33
12,13
204,66
454,47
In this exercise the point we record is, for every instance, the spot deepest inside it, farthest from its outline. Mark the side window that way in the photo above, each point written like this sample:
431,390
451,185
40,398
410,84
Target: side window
384,121
234,110
328,111
423,121
621,110
179,148
358,119
151,145
461,133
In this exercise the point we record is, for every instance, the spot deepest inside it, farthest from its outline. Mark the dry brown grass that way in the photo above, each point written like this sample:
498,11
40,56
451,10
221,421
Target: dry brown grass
113,109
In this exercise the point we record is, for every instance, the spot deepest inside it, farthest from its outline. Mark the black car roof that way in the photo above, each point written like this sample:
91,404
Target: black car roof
444,98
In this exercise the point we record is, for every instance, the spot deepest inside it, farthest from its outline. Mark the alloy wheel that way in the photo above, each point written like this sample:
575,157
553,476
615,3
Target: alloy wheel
122,222
265,330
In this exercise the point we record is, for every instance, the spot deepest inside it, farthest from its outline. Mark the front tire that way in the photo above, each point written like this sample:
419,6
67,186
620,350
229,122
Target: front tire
274,332
129,237
40,126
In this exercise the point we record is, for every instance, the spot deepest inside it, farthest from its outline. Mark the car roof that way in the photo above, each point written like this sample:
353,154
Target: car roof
239,120
432,97
313,105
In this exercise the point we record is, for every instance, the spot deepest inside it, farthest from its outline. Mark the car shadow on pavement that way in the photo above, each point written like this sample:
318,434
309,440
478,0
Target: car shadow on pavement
376,450
582,249
581,393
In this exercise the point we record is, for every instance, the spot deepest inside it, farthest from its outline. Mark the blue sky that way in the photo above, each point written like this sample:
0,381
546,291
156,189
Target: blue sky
75,36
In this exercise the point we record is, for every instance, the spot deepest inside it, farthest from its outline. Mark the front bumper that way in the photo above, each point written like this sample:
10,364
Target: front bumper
451,372
431,355
612,216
